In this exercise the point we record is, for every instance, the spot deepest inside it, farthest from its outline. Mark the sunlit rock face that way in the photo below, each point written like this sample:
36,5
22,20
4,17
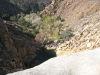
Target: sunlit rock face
87,37
80,63
72,10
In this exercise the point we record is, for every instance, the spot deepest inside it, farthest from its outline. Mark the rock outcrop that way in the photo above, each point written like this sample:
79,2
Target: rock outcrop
87,35
82,63
17,48
72,10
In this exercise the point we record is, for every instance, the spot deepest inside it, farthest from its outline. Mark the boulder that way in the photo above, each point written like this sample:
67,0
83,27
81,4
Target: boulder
80,63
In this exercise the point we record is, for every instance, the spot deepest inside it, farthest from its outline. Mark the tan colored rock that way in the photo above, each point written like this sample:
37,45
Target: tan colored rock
87,36
72,10
89,44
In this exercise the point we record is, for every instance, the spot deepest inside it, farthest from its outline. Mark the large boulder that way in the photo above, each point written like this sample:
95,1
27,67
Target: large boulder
82,63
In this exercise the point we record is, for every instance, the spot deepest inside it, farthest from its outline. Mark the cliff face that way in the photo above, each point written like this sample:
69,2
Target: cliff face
17,49
72,10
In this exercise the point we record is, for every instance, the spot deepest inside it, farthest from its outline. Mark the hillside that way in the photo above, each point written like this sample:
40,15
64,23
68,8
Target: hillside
8,8
28,5
17,48
82,17
86,37
14,7
72,10
65,27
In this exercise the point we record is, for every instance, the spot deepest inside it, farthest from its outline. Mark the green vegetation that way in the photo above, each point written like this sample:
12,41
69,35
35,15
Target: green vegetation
58,18
55,34
13,18
6,17
25,25
67,34
34,11
47,19
22,21
51,27
34,31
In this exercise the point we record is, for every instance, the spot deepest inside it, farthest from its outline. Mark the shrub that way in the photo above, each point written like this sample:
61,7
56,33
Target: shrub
47,24
58,18
57,24
67,34
21,21
13,18
51,26
24,28
33,11
47,19
35,31
6,16
55,34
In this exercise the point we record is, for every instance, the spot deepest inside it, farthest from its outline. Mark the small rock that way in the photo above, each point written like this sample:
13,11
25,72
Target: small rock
89,44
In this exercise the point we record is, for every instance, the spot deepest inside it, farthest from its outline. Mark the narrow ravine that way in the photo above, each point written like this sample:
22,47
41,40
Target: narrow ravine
43,55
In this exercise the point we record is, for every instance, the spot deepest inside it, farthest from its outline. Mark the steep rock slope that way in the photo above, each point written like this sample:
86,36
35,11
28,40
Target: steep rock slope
72,10
17,49
81,16
87,36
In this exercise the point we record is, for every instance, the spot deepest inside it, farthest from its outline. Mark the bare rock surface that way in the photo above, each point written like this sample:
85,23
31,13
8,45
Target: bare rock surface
87,35
82,63
72,10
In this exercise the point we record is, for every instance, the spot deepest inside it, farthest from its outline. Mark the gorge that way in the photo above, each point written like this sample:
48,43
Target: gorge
67,31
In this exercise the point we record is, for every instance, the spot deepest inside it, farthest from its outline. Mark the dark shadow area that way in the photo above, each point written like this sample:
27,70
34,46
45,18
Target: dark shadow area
44,55
8,8
19,50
